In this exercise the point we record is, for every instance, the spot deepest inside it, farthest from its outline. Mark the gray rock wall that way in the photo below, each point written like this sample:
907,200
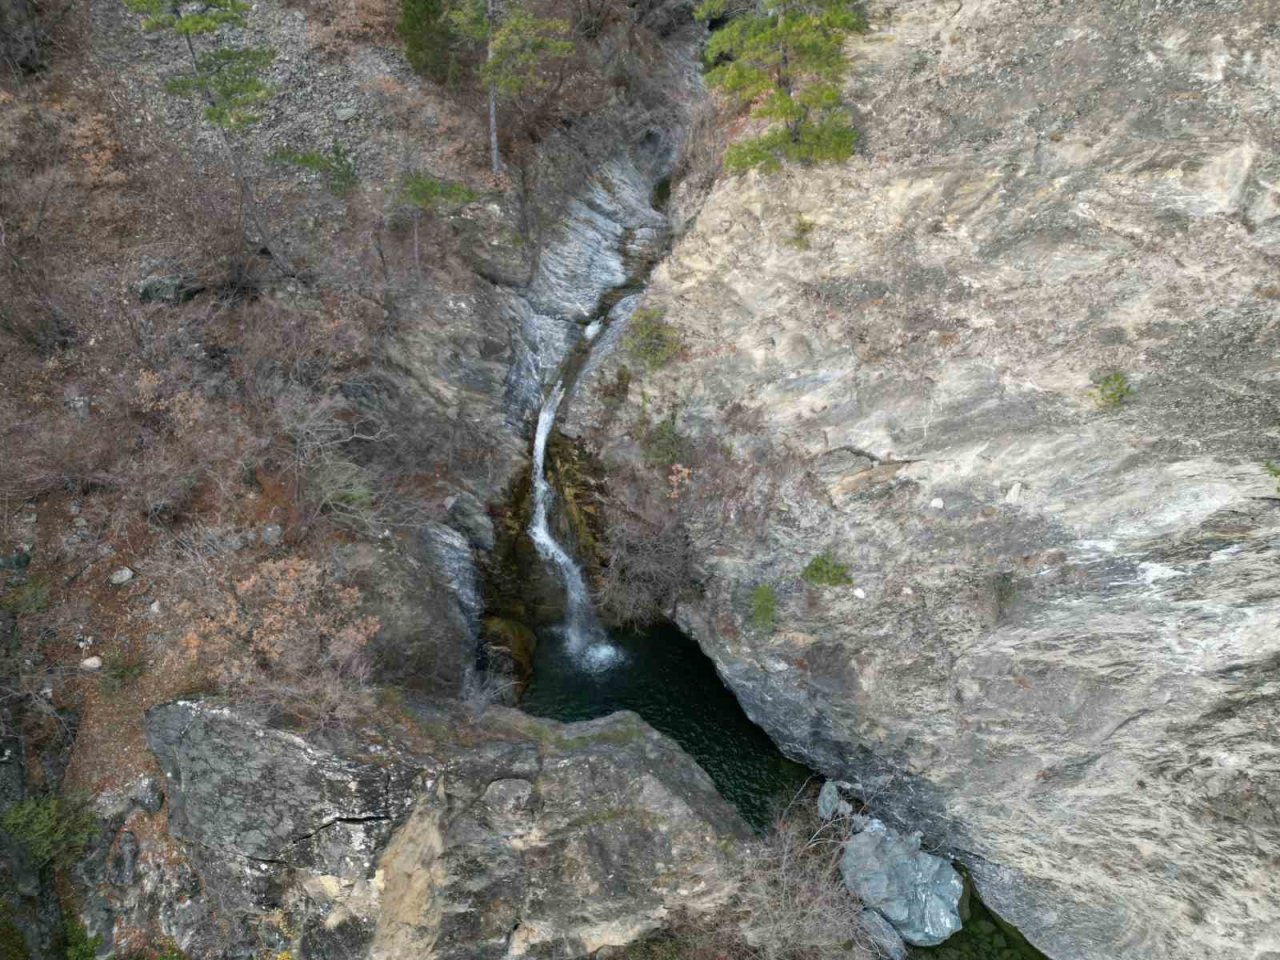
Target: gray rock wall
1058,655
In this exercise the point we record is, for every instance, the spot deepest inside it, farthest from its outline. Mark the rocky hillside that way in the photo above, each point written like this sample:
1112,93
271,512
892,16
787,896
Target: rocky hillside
256,398
1011,376
955,456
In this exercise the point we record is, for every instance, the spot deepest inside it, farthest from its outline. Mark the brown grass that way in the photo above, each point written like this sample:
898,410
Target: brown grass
336,26
790,905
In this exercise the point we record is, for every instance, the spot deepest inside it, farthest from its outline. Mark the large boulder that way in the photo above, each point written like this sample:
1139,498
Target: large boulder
1058,653
464,836
562,840
915,891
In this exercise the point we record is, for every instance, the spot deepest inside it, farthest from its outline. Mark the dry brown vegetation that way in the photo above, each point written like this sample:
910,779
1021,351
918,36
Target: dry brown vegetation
165,435
336,25
169,392
791,903
287,636
647,564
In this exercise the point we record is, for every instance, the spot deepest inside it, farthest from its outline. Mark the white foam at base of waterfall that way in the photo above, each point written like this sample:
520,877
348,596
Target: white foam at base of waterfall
584,637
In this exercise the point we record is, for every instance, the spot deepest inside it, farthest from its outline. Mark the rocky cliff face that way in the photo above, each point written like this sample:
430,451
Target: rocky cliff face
491,835
1059,651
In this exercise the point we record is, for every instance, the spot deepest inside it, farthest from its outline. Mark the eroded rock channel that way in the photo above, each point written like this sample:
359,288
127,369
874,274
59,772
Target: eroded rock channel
950,469
571,666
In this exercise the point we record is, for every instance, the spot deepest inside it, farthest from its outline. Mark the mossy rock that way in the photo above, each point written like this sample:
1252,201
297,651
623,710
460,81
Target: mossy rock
577,478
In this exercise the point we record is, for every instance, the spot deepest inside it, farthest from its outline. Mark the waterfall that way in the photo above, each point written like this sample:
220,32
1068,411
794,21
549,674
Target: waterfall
584,637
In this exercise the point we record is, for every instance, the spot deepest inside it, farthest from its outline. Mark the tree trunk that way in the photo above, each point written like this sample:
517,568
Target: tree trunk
493,131
491,9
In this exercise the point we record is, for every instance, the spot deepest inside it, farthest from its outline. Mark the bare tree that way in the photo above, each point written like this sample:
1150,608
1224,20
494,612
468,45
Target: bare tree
646,565
793,902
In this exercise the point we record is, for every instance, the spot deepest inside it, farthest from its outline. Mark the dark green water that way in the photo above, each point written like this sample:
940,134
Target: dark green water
662,675
983,937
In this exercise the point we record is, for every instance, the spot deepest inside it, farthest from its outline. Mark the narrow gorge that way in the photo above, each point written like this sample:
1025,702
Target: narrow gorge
631,480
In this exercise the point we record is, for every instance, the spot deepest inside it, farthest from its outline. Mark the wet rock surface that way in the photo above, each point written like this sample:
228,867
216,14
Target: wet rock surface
497,834
1061,636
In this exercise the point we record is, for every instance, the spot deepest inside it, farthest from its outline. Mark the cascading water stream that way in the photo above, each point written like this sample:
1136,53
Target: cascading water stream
585,639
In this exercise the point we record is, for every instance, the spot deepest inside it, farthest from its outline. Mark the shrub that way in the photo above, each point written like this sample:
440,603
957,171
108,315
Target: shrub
1111,391
120,669
824,571
692,938
13,946
800,231
430,44
57,450
343,490
792,900
663,443
619,387
55,831
79,945
292,637
327,436
648,565
764,607
337,166
791,904
29,597
162,486
425,192
650,340
30,309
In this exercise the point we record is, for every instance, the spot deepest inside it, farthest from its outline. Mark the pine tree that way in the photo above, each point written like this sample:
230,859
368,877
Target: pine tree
227,78
787,58
518,47
429,40
422,193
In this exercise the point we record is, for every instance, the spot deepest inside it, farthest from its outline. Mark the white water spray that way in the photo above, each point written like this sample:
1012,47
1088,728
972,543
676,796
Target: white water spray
584,636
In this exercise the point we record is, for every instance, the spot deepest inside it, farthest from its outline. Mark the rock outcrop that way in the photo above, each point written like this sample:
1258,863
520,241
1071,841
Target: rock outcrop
1059,654
492,835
